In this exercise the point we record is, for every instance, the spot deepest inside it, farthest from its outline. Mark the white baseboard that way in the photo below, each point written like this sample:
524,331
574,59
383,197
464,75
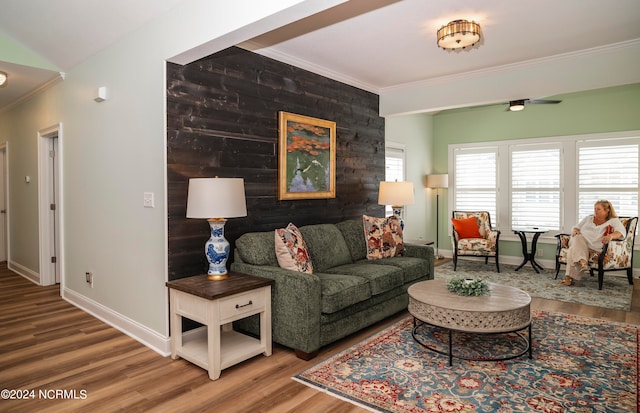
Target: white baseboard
30,275
133,329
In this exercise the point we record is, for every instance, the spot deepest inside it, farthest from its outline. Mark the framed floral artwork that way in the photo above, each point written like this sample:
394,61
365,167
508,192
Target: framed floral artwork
306,157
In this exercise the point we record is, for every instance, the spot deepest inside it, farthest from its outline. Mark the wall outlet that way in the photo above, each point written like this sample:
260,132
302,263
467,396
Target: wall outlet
89,278
539,253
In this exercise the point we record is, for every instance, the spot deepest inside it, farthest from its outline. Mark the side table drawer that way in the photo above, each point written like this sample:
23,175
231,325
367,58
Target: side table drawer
247,303
190,306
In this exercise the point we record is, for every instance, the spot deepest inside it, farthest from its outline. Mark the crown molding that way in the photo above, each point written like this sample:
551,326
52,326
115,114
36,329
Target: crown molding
269,52
53,81
630,45
306,65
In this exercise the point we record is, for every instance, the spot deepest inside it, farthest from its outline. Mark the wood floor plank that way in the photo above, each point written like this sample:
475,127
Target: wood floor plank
48,344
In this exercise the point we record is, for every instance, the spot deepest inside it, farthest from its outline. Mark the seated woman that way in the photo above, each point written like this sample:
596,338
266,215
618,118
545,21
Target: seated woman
591,233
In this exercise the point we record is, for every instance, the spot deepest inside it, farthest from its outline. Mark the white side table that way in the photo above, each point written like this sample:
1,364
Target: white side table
216,304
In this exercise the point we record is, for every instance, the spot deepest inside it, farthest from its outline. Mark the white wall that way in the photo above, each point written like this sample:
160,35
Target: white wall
19,128
415,131
113,152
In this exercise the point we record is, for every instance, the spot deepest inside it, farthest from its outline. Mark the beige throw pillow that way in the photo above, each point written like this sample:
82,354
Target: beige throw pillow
291,251
383,237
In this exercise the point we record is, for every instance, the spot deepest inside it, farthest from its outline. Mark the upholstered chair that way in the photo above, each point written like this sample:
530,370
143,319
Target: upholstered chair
473,235
617,255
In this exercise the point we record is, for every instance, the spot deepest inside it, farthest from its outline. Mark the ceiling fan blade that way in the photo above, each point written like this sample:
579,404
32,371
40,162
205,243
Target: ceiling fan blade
542,101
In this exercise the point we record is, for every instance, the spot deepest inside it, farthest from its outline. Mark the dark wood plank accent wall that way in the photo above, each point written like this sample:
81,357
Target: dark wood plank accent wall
223,121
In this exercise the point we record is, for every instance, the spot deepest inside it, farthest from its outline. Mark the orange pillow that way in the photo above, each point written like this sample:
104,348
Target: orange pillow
467,227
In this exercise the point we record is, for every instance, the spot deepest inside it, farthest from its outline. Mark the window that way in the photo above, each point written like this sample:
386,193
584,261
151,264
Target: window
550,182
475,178
535,187
394,162
394,166
608,172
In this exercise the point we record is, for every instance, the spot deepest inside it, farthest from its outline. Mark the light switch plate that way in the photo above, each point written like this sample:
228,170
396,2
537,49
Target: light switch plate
149,200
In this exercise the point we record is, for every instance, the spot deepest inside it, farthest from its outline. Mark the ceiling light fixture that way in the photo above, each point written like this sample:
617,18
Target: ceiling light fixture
3,78
458,34
516,105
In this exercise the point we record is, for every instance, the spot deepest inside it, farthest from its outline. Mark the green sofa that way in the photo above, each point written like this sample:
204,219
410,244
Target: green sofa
346,292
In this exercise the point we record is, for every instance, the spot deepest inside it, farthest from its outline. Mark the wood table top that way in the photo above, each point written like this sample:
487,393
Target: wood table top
500,297
201,286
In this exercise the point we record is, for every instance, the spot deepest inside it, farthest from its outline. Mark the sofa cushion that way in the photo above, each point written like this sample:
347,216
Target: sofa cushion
291,250
412,267
382,278
326,245
383,237
339,291
257,248
352,231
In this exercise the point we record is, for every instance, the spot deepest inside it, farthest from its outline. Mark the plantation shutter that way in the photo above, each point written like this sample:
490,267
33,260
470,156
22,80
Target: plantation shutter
394,160
609,173
475,181
535,188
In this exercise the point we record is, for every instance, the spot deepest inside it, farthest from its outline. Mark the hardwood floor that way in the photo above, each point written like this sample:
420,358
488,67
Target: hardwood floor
46,344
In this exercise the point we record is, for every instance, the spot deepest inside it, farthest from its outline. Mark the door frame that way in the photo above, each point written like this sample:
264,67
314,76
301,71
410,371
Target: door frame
4,186
47,242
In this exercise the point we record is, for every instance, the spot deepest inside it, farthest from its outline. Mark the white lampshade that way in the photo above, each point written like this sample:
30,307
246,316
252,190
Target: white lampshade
395,193
216,198
438,181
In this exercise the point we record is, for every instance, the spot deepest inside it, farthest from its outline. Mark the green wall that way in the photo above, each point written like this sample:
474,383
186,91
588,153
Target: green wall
414,131
602,110
13,52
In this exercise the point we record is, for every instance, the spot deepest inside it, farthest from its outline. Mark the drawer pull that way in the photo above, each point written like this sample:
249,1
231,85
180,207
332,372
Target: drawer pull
244,305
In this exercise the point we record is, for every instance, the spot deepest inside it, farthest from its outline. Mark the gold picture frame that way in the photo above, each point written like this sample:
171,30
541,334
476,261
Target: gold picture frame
306,157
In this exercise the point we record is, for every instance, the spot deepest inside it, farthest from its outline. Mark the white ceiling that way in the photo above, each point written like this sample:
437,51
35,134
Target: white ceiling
371,44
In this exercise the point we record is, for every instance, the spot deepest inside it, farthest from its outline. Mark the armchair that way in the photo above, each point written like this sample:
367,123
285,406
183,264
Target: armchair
471,241
617,255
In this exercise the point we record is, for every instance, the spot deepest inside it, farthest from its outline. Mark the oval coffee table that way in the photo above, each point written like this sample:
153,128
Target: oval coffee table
504,310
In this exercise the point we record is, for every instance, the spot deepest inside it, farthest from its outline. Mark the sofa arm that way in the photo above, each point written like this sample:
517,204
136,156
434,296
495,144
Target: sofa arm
421,251
295,305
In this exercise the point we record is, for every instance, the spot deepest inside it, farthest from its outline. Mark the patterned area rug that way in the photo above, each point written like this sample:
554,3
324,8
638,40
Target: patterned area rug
616,291
579,365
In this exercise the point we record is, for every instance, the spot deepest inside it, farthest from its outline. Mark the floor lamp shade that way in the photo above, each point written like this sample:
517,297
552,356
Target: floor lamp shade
216,199
436,182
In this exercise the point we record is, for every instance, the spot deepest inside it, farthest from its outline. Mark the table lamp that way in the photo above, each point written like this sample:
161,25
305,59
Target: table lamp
216,199
397,194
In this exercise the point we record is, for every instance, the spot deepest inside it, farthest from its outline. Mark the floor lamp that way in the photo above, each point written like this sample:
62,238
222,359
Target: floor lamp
436,182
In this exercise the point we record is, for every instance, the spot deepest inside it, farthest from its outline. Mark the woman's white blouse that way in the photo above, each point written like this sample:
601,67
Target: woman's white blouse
593,233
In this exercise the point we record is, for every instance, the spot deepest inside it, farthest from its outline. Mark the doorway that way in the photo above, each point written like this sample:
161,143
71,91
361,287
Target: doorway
49,206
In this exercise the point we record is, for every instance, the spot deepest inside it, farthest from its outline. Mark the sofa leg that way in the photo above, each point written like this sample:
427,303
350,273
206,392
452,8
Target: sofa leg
304,355
630,275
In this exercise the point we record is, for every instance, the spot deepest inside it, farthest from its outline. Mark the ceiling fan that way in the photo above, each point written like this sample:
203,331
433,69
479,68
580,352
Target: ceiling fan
517,105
